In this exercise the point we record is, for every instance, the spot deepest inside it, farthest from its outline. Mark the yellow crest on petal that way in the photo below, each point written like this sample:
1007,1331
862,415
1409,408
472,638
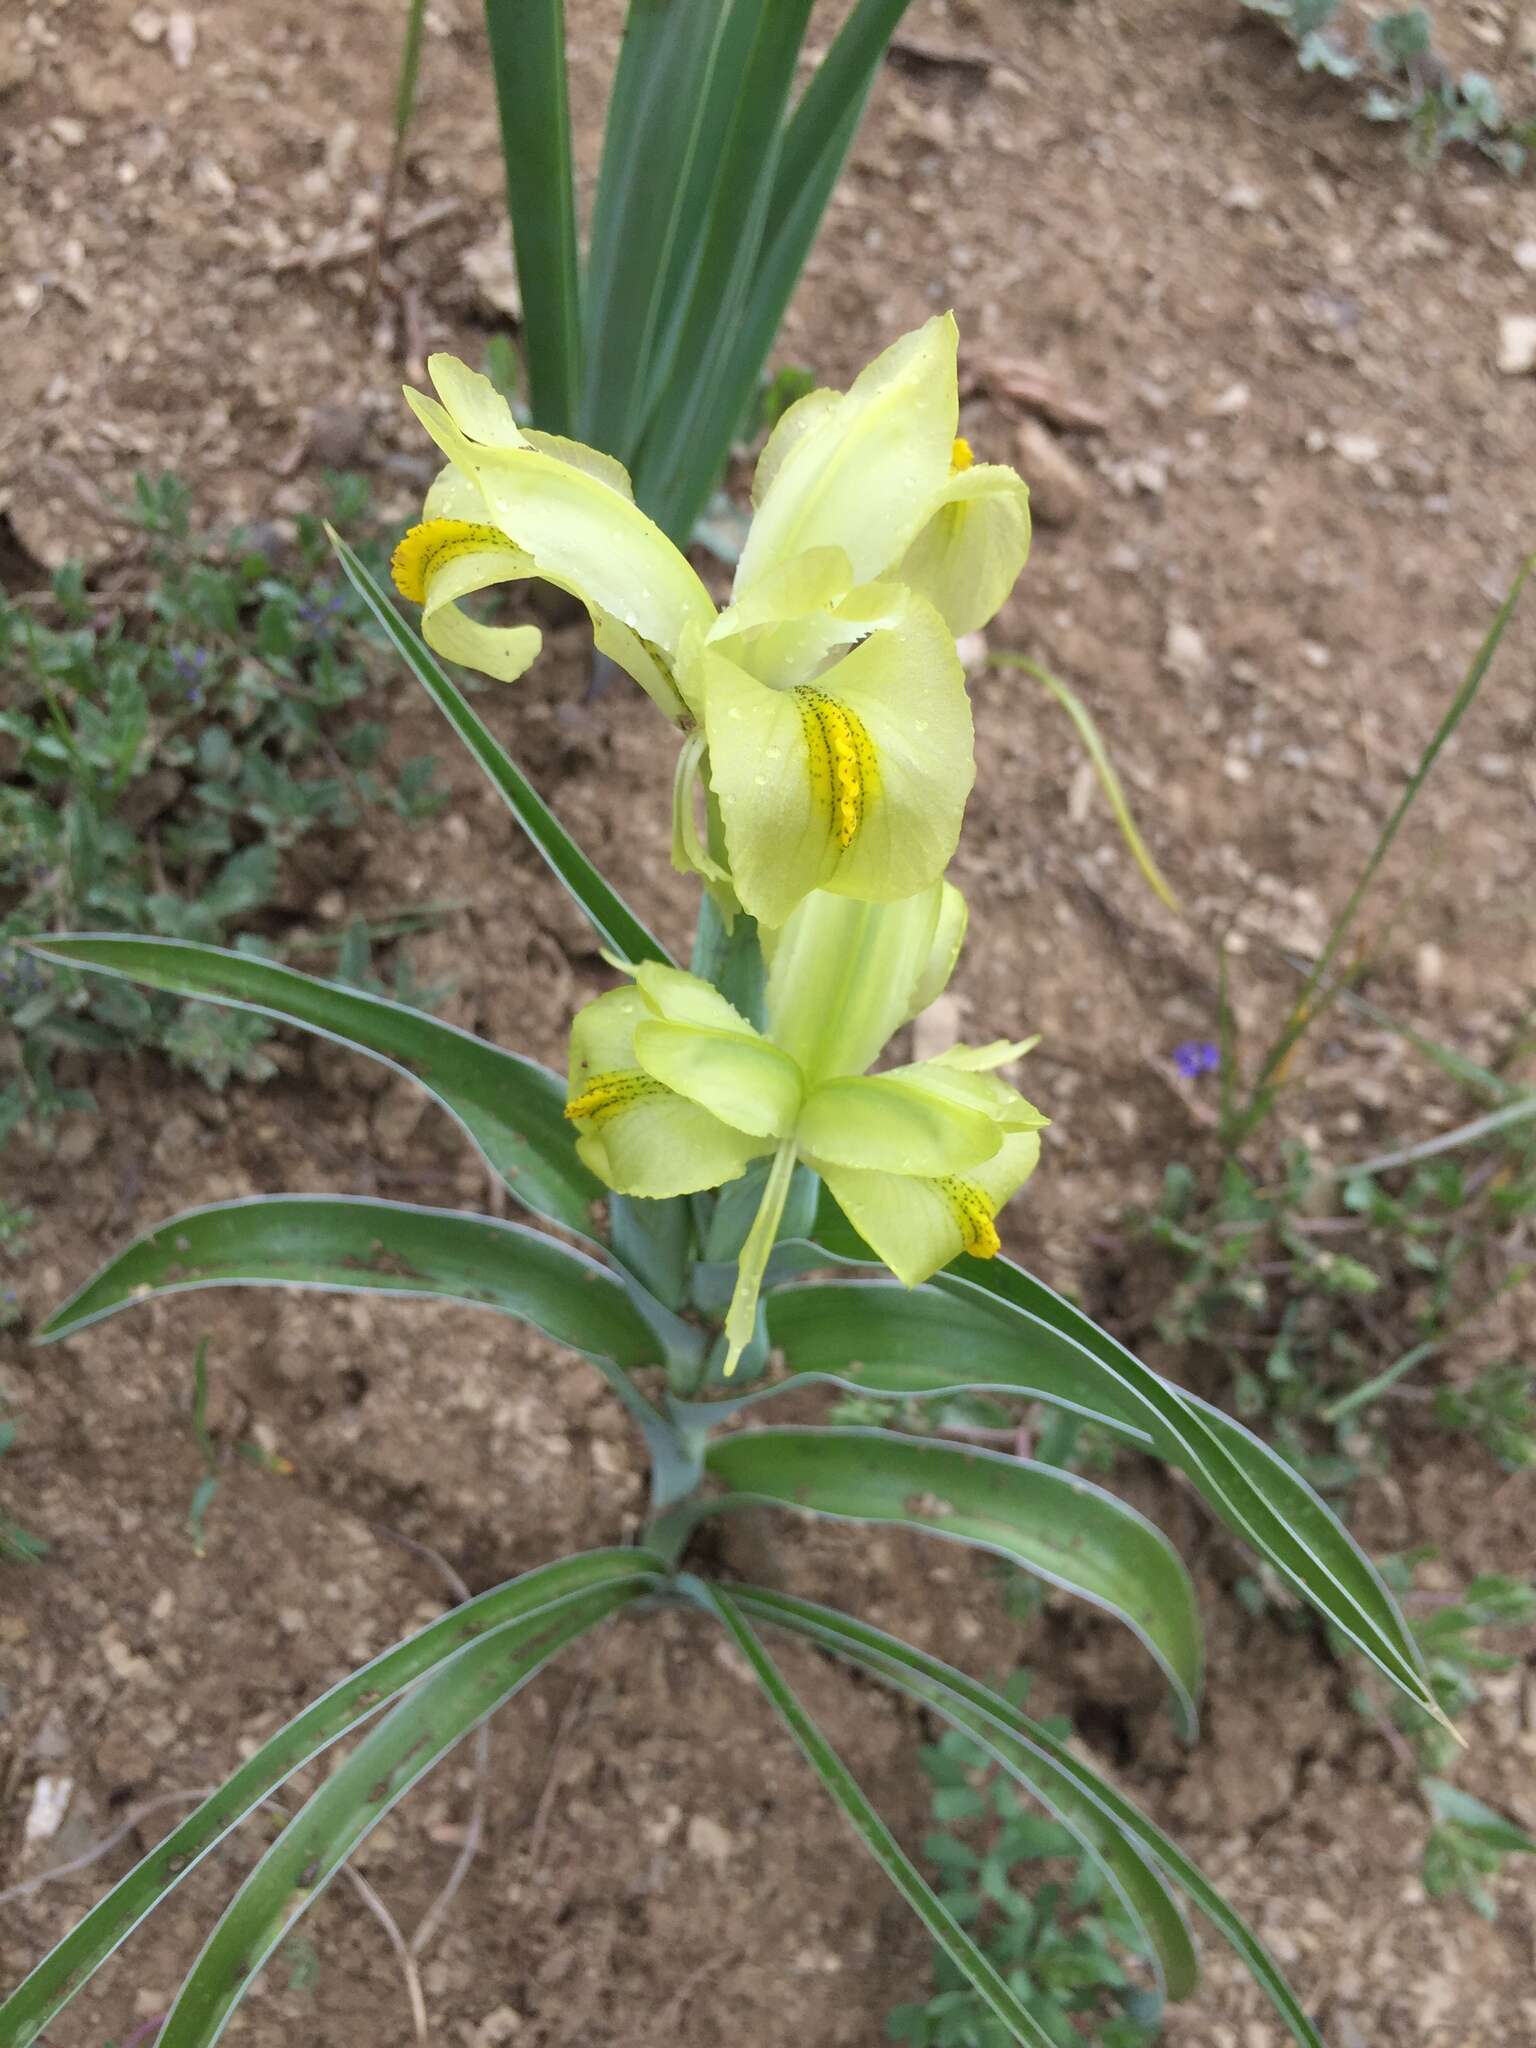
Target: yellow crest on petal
436,542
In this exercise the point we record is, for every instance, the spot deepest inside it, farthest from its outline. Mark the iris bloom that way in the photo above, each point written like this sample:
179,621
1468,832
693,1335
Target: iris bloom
672,1091
825,706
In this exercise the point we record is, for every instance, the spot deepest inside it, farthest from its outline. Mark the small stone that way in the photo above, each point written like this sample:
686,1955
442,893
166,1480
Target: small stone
66,129
51,1742
77,1140
181,37
1185,651
709,1841
396,1117
1242,198
50,1803
1057,485
1517,344
490,270
1525,255
148,24
1359,449
1234,399
502,2025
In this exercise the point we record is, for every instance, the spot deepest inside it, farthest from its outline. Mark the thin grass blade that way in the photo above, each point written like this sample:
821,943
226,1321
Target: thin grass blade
1318,992
1098,757
610,917
1472,1133
871,1830
66,1968
527,39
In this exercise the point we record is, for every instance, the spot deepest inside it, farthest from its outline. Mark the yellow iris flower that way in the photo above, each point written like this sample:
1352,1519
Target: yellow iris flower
672,1092
826,703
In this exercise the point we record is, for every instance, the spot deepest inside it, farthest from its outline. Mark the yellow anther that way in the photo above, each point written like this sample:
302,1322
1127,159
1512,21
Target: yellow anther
960,455
843,769
606,1094
973,1212
427,547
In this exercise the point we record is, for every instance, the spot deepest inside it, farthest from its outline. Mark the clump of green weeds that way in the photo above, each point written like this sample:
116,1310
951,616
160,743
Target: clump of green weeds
1061,1944
1468,1842
1296,1286
1409,82
161,749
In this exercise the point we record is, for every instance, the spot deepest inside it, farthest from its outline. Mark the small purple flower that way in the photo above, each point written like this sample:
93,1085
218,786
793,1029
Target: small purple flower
1196,1056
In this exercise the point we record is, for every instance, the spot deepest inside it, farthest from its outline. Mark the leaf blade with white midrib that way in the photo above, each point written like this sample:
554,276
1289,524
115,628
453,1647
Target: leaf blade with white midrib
871,1830
75,1959
510,1107
354,1244
415,1736
888,1656
1248,1484
1058,1526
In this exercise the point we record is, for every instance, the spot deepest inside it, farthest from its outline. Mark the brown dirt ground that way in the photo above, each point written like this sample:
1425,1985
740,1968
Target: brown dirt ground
1309,460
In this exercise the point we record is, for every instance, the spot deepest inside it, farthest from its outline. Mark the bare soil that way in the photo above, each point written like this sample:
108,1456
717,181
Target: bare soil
1266,572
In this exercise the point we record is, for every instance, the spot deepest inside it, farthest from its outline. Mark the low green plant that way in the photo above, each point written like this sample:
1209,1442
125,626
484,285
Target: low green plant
1306,23
162,750
1036,1901
17,1545
1468,1842
736,1207
1437,107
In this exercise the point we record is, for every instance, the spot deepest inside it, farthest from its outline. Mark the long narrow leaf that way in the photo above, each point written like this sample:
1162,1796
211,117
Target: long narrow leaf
678,75
610,917
511,1108
1253,1490
1472,1133
1130,1872
877,1337
64,1970
1035,1750
414,1737
527,39
818,128
352,1244
1058,1526
721,274
871,1830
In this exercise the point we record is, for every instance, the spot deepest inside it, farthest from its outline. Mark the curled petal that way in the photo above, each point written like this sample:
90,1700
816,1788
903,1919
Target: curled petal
968,555
918,1224
859,470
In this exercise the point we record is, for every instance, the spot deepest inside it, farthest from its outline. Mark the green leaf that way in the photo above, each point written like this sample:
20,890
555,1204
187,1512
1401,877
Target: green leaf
678,75
1033,1748
1058,1526
1484,1823
411,1739
871,1830
815,142
352,1244
884,1339
610,917
527,39
726,239
87,1946
512,1108
1249,1485
1254,1491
